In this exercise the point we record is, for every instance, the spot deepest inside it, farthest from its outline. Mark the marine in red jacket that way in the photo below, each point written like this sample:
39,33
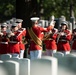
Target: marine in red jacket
3,39
64,38
14,38
23,34
35,35
50,41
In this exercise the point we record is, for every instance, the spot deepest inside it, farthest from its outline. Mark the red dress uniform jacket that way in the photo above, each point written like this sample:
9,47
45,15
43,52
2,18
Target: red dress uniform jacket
74,40
38,31
63,43
50,43
4,43
22,34
14,43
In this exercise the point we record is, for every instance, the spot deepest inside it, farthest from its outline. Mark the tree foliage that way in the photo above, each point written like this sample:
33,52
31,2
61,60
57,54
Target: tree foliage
44,8
7,9
58,7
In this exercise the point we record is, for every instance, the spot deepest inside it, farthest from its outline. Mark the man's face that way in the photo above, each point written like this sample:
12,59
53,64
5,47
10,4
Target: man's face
63,27
3,28
14,28
19,25
36,22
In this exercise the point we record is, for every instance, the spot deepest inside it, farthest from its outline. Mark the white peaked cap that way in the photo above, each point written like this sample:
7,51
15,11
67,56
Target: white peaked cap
64,23
19,20
4,24
8,22
34,19
15,24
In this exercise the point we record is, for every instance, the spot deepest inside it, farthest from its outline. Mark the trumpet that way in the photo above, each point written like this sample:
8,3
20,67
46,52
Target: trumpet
47,35
61,33
50,34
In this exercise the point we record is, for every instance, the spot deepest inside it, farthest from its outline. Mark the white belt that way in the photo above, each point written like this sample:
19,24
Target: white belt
49,39
4,42
63,40
14,42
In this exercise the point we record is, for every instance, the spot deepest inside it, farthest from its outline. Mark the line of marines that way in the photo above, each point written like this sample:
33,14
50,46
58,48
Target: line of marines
12,36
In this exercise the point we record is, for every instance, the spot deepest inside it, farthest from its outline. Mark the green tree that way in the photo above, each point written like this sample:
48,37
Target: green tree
7,9
59,7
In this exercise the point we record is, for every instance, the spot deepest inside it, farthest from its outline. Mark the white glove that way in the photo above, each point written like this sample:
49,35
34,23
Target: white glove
1,34
12,34
62,33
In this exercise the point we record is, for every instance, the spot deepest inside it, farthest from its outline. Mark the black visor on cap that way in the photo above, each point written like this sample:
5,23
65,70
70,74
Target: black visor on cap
18,22
13,26
3,26
63,24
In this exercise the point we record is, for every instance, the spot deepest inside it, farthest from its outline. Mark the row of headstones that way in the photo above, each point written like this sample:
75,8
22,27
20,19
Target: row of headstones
60,54
45,66
71,22
14,66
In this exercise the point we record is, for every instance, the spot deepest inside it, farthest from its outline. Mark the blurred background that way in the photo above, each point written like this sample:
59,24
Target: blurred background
7,9
44,9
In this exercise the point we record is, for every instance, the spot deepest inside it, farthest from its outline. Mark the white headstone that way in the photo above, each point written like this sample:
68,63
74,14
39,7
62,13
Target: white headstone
12,67
24,65
42,22
70,26
45,66
67,66
46,23
15,59
2,70
63,18
71,55
5,56
74,53
58,54
0,56
1,61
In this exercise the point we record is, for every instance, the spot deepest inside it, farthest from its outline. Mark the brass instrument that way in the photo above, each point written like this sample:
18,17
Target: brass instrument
47,35
50,34
24,40
61,33
10,34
